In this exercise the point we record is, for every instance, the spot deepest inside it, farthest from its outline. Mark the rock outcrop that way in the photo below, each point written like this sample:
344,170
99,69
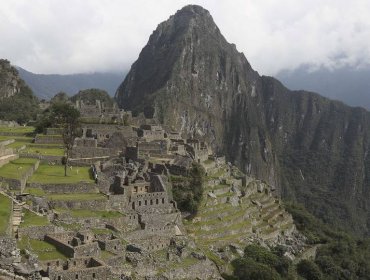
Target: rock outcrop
312,149
10,83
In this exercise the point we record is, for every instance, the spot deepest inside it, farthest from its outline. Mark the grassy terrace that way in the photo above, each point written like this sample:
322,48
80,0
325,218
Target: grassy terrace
35,191
77,197
47,174
47,151
5,211
19,141
16,168
44,250
31,219
19,129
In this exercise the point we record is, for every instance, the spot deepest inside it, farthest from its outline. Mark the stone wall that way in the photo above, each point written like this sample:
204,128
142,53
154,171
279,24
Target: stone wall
43,158
86,142
54,131
88,152
19,184
79,268
81,187
151,135
38,232
146,201
48,139
97,204
154,147
86,161
117,202
66,249
90,249
114,245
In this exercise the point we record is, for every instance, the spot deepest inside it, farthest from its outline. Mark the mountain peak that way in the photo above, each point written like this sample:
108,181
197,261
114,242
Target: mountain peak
192,10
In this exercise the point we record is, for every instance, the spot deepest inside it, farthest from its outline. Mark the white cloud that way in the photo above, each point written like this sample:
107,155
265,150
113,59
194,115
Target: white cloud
69,36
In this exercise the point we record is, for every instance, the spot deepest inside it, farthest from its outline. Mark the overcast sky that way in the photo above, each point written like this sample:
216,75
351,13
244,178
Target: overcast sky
72,36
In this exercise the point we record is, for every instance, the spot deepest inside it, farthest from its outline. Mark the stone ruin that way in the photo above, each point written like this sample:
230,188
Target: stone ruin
74,244
86,268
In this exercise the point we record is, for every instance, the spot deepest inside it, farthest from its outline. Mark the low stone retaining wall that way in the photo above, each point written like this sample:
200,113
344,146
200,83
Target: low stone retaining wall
61,247
82,187
86,161
54,159
19,184
100,205
88,152
38,232
48,139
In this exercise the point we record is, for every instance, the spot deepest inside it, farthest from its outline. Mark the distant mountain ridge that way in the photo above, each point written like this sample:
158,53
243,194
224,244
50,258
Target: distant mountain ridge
47,85
347,84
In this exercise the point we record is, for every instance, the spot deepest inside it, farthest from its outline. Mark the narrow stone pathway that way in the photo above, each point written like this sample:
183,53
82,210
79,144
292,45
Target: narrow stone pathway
22,205
17,217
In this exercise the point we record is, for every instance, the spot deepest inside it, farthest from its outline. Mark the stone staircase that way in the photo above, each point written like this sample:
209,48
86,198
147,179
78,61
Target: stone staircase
16,217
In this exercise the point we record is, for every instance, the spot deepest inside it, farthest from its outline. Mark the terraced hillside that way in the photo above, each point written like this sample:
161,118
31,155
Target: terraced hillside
237,211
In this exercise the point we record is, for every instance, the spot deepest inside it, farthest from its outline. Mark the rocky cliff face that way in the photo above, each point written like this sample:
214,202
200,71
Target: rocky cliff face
312,149
10,83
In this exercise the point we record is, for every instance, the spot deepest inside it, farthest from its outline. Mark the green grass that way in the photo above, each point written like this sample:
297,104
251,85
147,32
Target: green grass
24,139
5,212
49,136
31,219
35,191
19,129
102,231
44,151
53,255
77,197
106,255
185,263
44,250
55,175
208,161
16,168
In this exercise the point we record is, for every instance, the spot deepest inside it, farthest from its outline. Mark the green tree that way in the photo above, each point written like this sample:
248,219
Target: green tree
248,269
309,270
60,97
66,117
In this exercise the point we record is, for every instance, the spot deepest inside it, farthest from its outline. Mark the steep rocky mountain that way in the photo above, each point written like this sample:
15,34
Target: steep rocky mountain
10,82
17,102
46,86
348,84
312,149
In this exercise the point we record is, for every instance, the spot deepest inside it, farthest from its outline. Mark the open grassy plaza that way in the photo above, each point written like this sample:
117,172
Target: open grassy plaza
54,174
